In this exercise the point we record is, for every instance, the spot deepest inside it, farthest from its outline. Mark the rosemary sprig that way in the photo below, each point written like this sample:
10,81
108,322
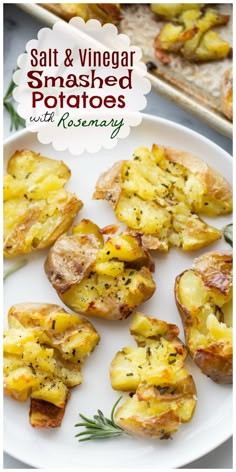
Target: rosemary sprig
228,234
16,120
14,268
100,427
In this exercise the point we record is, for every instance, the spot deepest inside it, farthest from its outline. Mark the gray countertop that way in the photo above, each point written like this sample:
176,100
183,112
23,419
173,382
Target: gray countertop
20,28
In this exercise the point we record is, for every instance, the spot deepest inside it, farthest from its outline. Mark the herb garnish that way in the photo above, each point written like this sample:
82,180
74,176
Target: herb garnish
127,282
228,234
16,120
161,390
14,268
100,427
53,324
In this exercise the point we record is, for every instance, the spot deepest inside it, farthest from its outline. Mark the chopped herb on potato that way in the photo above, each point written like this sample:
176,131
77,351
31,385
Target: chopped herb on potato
162,393
163,197
44,349
37,208
100,276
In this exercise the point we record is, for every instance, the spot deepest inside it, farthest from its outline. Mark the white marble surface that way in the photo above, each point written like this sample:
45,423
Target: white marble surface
20,28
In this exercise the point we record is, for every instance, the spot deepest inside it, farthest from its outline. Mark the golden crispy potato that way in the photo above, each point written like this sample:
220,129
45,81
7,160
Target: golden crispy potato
44,349
145,329
160,193
163,393
192,37
169,11
46,415
211,48
74,337
204,300
54,390
157,412
105,278
227,93
103,12
37,208
18,383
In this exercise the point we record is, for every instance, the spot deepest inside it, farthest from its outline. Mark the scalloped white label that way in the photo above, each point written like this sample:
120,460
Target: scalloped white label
81,86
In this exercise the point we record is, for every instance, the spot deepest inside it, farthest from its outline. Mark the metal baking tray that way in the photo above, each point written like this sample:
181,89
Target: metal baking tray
197,107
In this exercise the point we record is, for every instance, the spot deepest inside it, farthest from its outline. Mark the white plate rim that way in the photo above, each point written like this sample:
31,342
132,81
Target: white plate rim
226,434
145,116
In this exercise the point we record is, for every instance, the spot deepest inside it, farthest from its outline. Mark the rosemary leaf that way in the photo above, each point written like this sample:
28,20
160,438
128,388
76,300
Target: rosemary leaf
89,425
114,408
87,420
228,234
16,120
100,427
101,436
9,91
14,268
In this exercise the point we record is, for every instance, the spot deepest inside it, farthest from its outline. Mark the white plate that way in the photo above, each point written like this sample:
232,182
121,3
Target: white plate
212,421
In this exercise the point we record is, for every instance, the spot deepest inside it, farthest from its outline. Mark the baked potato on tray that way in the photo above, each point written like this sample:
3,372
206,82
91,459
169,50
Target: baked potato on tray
162,391
103,12
204,300
192,58
188,46
37,208
44,350
97,277
160,193
191,34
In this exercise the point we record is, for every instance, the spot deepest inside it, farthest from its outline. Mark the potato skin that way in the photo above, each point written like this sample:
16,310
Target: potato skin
215,270
162,425
108,186
214,358
97,277
25,313
215,365
156,427
79,252
212,362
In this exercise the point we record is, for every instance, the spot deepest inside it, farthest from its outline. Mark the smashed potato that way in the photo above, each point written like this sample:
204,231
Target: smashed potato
204,300
192,37
37,208
108,279
160,193
103,12
170,11
163,393
44,349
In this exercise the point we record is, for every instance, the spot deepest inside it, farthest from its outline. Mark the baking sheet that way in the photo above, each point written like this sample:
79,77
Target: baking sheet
201,108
